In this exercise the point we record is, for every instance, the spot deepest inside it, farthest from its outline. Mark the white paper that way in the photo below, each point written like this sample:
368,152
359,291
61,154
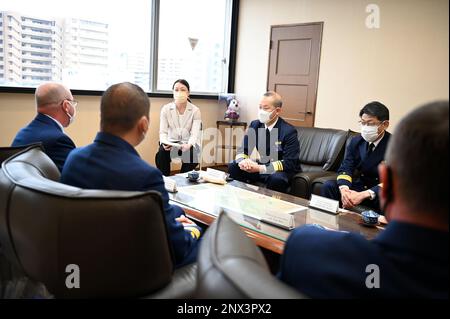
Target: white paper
170,184
281,219
216,173
173,144
252,204
327,220
323,203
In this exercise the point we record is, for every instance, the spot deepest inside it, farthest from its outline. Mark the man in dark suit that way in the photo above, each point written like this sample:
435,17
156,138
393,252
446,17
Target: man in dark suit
112,162
56,110
358,181
410,257
277,144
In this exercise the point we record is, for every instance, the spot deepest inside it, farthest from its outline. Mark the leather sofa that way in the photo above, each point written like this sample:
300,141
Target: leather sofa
321,153
231,266
8,151
116,241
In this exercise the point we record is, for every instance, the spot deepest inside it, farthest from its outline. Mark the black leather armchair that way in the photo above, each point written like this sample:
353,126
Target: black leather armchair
230,265
321,152
8,151
118,240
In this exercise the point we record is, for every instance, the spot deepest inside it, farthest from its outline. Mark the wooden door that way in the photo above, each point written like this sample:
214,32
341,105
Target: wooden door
294,70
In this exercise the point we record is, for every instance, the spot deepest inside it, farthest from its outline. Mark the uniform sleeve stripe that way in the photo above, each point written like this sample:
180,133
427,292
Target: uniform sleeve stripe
238,156
278,166
195,233
346,177
274,165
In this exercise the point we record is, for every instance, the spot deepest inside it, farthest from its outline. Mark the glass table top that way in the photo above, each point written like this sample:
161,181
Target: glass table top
246,204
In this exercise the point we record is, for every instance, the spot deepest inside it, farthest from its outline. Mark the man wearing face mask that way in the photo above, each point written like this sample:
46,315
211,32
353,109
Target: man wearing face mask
112,163
358,181
56,110
409,259
277,144
179,131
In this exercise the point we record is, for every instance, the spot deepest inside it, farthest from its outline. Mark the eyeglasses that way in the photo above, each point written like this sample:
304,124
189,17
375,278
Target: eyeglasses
369,123
74,103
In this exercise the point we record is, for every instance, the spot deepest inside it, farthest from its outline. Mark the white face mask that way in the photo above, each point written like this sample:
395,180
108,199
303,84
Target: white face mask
144,135
264,116
72,117
369,133
180,96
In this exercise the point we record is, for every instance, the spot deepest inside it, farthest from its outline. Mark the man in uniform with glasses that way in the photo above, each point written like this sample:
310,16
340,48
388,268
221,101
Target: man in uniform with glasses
56,110
358,181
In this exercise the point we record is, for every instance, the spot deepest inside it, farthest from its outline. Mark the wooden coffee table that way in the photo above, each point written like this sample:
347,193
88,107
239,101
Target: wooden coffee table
206,206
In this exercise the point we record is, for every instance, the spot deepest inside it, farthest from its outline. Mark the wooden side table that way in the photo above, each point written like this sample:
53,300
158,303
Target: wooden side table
230,135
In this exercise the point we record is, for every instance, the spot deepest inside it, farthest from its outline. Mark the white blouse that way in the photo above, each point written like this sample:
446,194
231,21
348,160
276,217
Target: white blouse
180,127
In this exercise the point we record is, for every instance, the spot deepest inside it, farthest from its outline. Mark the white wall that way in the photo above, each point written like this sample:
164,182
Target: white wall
403,63
17,110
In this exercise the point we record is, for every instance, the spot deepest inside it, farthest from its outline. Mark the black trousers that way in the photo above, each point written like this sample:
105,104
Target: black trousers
164,158
278,181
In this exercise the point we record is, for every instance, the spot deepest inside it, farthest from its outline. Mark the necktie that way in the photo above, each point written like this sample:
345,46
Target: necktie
370,148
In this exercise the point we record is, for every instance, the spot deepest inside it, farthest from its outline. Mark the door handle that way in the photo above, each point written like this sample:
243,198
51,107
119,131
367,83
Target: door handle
306,113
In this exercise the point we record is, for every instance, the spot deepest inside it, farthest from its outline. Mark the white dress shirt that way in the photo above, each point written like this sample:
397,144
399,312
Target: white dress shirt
263,168
272,125
59,124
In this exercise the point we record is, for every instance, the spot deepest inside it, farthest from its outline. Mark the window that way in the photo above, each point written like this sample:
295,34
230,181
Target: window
102,28
148,42
194,39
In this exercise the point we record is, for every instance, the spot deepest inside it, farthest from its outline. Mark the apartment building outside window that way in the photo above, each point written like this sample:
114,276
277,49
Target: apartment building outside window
89,48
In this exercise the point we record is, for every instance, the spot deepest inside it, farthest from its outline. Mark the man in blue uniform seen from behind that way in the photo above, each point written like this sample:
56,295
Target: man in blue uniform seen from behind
56,110
277,144
358,181
112,162
409,259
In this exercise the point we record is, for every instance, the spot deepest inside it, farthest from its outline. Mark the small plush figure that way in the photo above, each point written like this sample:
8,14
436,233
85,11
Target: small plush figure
232,112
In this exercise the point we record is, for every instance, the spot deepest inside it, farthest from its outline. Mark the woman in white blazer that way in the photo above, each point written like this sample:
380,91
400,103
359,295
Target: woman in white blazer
179,131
